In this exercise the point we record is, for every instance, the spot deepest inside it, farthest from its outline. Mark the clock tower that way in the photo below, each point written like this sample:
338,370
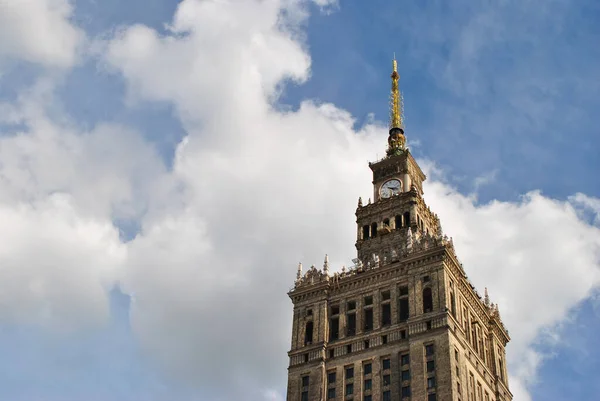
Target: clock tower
404,322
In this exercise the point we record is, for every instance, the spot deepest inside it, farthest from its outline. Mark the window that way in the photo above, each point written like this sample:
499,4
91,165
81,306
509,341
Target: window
398,221
305,358
349,372
428,324
368,319
308,335
349,388
405,375
384,339
305,381
331,378
365,231
426,279
452,304
405,392
431,382
374,230
387,380
367,368
367,343
402,334
334,329
404,359
351,327
348,348
331,353
430,366
403,309
432,397
386,314
429,350
369,300
406,219
458,387
403,290
367,385
309,312
427,300
335,310
331,393
386,222
367,398
304,396
351,305
387,395
386,364
456,355
385,295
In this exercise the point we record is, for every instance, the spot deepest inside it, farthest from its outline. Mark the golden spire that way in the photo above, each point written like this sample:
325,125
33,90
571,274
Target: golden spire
395,99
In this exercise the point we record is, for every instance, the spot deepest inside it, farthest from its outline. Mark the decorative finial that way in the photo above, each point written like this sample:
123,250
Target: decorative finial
409,239
369,201
299,273
486,298
395,98
359,201
326,265
396,140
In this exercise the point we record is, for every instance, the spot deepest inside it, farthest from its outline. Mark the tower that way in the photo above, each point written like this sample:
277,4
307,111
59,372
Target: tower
403,323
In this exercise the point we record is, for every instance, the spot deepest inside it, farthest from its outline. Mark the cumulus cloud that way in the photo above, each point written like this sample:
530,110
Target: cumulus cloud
39,31
253,190
264,188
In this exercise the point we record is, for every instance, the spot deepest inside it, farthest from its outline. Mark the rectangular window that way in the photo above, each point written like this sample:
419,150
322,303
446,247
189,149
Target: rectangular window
367,384
458,388
305,381
404,359
331,393
308,334
429,349
403,309
386,380
367,398
403,290
369,300
430,366
349,389
386,314
431,382
351,305
368,319
334,329
387,395
405,393
351,328
386,364
367,368
385,295
331,378
432,397
349,372
304,396
348,348
405,375
335,310
384,339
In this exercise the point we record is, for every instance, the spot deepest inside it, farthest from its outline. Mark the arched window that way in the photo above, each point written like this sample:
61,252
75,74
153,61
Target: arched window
308,335
427,300
406,219
365,232
398,222
386,222
374,230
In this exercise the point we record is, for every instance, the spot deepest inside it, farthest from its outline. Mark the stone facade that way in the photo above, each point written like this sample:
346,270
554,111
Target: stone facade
403,323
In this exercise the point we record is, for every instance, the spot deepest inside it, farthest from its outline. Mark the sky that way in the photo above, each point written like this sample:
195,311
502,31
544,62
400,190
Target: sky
165,165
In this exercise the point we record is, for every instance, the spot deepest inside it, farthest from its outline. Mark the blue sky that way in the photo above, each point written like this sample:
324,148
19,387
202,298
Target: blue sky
502,96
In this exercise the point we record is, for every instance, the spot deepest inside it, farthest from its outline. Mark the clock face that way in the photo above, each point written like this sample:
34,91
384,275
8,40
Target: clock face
390,188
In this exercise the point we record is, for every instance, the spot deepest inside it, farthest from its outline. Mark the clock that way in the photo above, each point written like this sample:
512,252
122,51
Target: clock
390,188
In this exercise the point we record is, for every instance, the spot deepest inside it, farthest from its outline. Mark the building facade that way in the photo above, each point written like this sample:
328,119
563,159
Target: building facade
403,323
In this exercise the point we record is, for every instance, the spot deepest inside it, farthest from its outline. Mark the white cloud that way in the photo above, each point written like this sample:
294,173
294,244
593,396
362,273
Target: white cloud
253,190
266,188
39,31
